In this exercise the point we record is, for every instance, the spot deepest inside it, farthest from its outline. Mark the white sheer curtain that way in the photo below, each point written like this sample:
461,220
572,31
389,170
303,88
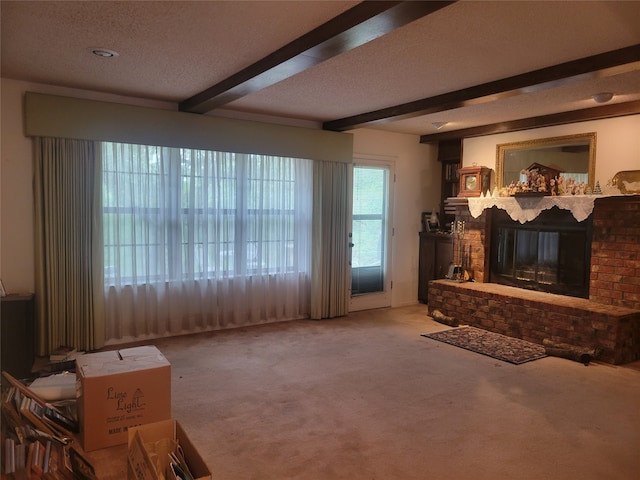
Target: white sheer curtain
198,240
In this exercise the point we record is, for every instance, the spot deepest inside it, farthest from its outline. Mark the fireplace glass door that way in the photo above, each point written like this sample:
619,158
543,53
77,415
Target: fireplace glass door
545,254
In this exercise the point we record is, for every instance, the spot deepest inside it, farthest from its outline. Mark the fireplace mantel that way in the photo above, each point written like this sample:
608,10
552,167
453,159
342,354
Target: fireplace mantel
525,209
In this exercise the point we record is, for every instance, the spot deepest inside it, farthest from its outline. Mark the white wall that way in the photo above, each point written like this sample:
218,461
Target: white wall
417,189
16,178
617,144
16,199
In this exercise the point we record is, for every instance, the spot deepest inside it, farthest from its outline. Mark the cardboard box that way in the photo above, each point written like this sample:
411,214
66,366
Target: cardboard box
139,459
117,390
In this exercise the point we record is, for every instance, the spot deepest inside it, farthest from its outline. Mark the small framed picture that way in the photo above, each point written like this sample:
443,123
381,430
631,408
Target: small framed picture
424,218
430,222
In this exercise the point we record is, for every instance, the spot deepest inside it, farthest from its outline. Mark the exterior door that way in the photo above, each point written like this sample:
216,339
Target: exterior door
371,235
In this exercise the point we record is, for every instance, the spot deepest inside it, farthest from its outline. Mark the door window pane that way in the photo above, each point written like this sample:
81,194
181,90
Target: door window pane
369,230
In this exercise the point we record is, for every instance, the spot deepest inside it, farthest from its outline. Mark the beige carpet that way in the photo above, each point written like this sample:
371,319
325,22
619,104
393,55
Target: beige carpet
367,397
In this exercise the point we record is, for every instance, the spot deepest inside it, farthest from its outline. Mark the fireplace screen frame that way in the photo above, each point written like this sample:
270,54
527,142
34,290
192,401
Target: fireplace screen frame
551,253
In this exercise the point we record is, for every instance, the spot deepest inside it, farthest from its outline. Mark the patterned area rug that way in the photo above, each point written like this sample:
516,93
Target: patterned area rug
508,349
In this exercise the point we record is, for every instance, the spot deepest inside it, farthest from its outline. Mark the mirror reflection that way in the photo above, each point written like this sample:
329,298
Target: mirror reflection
572,155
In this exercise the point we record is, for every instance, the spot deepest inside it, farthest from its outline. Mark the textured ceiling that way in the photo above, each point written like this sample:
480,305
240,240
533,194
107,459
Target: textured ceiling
170,51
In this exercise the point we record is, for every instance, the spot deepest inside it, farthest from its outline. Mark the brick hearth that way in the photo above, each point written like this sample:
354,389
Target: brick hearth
609,320
536,316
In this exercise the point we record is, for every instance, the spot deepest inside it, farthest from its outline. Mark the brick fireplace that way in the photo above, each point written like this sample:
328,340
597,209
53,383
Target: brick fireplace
608,319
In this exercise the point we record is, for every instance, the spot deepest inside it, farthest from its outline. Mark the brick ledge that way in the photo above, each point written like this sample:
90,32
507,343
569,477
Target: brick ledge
535,316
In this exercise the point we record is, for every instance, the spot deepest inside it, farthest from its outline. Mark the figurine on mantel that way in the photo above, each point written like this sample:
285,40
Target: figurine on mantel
611,188
597,190
535,181
531,182
568,186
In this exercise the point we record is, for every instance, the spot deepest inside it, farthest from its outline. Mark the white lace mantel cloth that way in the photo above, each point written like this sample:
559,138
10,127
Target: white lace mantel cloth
525,209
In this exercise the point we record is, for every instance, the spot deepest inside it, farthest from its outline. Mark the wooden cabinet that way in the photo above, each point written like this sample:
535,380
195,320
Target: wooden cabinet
18,335
450,155
436,254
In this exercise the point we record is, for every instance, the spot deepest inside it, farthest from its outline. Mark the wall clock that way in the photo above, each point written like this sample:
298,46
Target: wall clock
474,181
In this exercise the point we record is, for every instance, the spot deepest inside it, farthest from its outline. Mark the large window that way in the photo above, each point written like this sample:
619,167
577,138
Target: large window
173,215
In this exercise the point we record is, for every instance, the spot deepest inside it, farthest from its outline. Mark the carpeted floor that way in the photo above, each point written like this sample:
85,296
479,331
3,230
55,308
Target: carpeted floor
365,397
501,347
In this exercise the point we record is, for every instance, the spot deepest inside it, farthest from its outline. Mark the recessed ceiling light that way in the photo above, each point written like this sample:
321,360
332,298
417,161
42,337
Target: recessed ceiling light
439,125
104,52
603,97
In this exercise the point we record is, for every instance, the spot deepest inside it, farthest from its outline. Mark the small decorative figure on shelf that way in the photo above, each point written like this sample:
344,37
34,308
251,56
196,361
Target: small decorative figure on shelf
531,182
597,190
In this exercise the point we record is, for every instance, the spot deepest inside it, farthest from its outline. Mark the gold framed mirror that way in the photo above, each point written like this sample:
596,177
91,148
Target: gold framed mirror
574,155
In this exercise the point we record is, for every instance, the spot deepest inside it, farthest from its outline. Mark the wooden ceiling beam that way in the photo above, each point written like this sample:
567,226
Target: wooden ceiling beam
602,65
574,116
361,24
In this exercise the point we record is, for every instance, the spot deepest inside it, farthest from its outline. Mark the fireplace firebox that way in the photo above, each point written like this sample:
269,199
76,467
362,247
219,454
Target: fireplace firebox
551,253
